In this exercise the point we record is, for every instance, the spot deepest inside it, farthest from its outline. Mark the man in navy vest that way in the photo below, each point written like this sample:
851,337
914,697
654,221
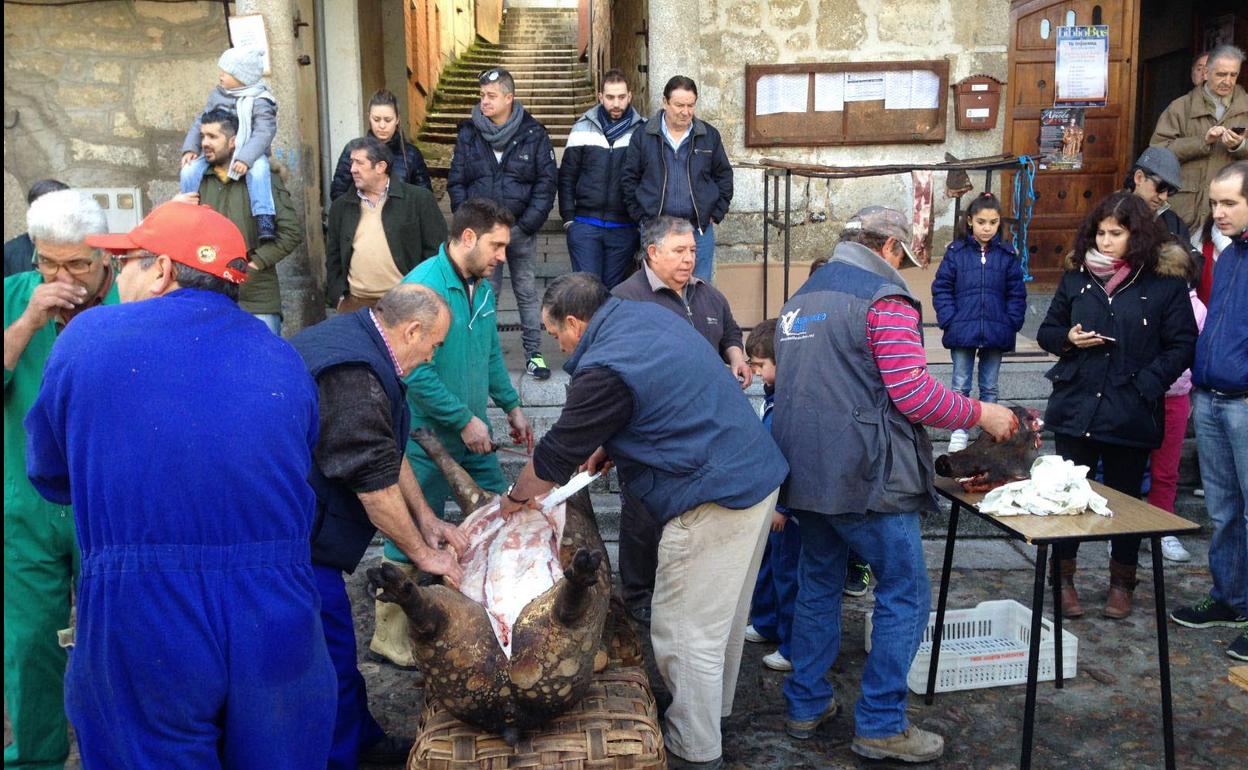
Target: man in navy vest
653,397
363,482
852,395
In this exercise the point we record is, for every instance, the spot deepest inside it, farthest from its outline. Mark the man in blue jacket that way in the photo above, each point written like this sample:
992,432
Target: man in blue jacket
602,237
502,153
656,399
677,166
1220,406
182,431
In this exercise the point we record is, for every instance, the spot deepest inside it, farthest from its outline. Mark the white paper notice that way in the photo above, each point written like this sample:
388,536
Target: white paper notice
781,93
897,86
864,86
924,90
829,91
248,32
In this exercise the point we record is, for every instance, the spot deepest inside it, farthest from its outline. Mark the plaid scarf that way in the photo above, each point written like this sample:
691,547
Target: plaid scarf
615,129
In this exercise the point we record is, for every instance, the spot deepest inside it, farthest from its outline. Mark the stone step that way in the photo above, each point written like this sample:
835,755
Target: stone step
581,94
535,104
509,59
558,66
541,81
559,121
568,51
448,137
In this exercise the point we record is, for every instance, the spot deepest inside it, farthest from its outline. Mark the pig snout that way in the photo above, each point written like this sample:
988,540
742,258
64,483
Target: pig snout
942,466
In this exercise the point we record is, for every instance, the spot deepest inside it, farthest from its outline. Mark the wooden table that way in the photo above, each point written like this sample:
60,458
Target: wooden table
1131,517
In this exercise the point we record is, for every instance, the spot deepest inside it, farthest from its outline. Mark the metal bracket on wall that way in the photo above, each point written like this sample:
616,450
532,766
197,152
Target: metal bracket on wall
298,22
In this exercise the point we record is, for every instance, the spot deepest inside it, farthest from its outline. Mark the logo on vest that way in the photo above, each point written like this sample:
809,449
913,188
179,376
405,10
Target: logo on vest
797,327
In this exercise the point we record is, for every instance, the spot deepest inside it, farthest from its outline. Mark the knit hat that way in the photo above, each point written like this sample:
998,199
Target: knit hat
246,64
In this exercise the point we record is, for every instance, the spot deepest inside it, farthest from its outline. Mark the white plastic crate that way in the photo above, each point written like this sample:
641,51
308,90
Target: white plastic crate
986,647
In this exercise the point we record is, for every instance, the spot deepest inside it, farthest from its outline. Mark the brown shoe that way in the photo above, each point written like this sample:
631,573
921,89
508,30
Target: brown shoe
1121,590
1071,608
911,745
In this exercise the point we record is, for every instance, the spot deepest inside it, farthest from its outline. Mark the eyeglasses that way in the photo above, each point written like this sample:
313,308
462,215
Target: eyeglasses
75,267
1163,187
118,261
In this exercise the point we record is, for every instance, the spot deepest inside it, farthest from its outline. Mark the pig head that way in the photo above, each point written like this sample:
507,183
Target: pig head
987,464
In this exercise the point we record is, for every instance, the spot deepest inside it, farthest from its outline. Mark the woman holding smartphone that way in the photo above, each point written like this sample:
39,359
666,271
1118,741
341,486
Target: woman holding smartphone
1122,327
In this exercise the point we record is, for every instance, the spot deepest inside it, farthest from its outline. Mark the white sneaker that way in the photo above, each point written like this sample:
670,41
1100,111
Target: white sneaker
1199,491
957,441
1173,550
752,635
777,662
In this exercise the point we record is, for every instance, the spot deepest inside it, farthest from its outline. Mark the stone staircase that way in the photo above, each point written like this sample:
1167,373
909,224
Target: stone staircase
538,47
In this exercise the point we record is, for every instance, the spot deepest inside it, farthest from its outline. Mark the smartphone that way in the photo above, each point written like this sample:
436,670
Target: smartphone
1103,337
1239,129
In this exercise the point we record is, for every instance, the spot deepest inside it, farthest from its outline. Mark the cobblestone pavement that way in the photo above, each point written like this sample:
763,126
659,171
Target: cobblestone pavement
1107,717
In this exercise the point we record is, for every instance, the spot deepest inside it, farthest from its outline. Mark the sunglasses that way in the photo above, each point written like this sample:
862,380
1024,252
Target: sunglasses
1163,186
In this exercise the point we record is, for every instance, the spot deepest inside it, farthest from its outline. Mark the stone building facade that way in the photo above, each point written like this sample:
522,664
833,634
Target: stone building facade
713,40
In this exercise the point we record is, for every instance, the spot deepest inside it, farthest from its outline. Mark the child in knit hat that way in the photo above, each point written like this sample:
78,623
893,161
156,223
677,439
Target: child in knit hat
240,90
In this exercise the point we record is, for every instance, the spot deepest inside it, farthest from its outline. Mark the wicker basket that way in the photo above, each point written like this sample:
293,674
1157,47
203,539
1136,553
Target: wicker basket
615,727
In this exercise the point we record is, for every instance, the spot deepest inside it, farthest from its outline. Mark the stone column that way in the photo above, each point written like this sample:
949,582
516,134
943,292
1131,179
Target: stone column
674,46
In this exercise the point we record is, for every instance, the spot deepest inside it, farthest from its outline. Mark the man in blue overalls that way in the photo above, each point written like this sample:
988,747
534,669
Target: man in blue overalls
182,431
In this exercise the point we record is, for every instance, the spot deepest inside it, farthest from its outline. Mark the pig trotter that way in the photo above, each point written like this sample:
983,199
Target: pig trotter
574,596
389,584
467,494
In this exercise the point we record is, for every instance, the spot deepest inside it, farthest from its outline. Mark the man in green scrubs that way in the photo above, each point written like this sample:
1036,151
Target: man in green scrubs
40,550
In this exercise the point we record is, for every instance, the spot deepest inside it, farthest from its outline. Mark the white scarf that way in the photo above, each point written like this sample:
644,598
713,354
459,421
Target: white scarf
244,103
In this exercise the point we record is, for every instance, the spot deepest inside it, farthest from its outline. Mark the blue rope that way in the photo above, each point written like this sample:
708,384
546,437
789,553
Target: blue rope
1024,200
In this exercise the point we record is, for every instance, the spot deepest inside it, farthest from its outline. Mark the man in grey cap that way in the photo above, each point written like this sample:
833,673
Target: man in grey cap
852,396
1155,177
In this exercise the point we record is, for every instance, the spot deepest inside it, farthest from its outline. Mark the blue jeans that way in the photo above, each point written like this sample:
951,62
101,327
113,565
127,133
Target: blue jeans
607,252
1222,439
775,590
258,179
521,256
704,267
989,369
890,543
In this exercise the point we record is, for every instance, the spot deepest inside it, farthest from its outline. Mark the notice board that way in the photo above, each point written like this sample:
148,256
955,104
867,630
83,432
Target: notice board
845,103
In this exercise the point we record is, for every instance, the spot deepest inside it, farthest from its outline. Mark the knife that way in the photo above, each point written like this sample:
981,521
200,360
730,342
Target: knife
574,485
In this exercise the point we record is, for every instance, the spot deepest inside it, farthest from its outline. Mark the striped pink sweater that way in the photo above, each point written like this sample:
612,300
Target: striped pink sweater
893,334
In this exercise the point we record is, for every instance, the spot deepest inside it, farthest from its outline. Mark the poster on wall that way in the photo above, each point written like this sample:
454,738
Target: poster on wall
1082,67
248,32
1061,139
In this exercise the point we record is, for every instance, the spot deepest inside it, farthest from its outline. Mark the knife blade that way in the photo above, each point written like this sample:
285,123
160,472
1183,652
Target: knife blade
574,485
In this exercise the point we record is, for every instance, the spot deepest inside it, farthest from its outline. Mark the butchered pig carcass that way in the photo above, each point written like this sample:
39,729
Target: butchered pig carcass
516,643
987,464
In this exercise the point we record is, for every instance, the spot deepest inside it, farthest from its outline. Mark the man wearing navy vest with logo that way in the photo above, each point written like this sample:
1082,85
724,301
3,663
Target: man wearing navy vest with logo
654,398
852,395
363,482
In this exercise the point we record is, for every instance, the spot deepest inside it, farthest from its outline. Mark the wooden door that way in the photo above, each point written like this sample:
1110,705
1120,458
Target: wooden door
1064,197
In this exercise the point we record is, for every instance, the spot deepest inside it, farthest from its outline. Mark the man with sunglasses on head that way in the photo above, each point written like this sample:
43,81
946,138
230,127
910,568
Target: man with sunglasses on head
40,548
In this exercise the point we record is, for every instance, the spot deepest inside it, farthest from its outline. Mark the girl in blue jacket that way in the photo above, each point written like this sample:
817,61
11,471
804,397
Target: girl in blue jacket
980,302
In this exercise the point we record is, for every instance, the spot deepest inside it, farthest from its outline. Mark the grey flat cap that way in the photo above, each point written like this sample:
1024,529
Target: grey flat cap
887,222
1162,162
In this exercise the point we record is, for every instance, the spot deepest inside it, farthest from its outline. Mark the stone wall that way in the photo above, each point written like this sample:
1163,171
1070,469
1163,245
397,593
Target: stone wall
971,34
101,95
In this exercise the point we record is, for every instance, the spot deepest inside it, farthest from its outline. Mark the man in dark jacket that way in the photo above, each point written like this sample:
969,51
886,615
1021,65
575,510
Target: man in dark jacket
853,393
363,483
379,234
1155,176
502,153
677,166
19,251
261,294
666,279
602,238
704,466
1220,408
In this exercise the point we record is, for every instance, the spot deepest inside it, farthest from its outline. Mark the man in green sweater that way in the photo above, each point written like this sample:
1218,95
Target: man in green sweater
40,549
450,395
261,294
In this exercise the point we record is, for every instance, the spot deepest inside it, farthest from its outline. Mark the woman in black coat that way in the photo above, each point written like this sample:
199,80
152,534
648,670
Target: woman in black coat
383,124
1121,324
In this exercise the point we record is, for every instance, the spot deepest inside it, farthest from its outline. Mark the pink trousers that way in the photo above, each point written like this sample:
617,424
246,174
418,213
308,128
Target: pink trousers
1165,458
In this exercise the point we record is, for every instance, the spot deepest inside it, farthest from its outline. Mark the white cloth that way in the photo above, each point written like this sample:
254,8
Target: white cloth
1057,487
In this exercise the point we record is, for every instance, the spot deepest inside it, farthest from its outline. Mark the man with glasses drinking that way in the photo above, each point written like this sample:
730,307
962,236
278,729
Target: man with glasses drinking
40,548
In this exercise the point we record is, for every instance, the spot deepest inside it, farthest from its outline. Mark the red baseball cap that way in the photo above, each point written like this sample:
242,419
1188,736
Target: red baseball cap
194,235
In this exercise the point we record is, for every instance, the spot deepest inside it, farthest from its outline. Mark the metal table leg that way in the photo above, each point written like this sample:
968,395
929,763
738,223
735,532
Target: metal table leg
1057,621
939,632
1163,652
1033,655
